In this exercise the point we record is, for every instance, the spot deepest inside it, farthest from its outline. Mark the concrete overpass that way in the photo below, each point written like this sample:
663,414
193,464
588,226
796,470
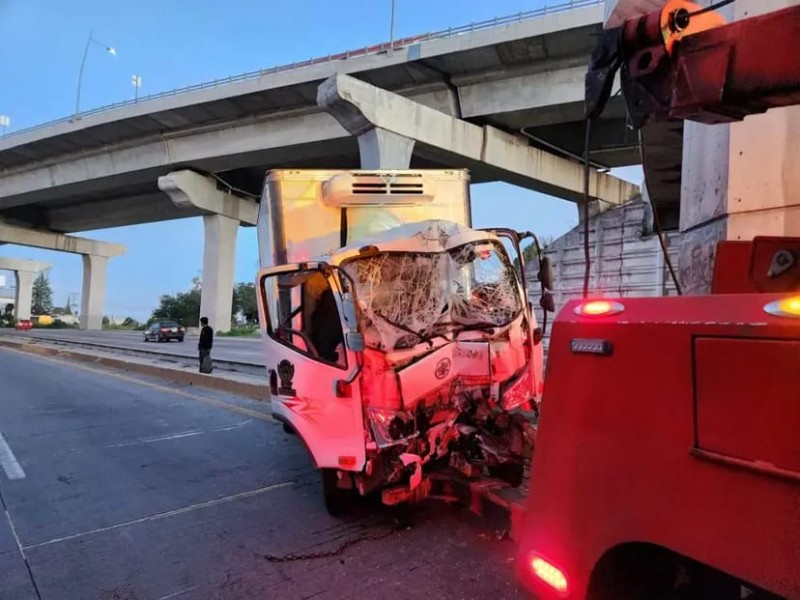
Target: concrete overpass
512,89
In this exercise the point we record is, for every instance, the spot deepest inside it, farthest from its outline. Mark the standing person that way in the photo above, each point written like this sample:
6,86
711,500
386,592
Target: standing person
205,344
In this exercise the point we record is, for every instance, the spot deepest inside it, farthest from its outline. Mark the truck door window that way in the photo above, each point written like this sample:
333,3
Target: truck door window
302,314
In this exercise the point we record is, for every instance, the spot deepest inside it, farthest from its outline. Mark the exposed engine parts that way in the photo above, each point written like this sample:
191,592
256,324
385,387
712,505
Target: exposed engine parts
466,433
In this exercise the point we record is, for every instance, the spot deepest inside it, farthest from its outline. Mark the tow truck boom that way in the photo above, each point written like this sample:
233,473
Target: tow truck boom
677,64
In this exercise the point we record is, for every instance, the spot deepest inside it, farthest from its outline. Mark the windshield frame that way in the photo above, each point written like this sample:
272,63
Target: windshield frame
508,274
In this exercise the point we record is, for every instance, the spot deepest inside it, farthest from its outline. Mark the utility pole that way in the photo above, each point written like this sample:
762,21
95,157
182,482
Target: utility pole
136,81
391,31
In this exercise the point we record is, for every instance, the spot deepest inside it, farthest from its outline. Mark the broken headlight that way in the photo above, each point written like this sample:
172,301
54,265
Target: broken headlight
391,427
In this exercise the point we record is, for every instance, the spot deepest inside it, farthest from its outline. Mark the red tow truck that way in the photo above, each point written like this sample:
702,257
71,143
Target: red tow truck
667,461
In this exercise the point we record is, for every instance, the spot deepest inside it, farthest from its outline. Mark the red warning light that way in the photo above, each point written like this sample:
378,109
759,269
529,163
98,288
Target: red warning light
598,308
550,574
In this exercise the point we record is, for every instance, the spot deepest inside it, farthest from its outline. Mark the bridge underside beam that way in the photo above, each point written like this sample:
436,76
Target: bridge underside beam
189,190
117,212
48,240
361,107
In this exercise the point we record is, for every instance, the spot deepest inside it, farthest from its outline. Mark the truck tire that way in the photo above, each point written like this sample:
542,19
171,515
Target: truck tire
338,501
512,472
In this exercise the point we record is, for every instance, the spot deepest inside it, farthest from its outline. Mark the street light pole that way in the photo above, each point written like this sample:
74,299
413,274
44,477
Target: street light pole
4,122
391,31
136,81
89,41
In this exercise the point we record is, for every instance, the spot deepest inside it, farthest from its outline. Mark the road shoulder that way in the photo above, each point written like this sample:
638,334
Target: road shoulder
177,371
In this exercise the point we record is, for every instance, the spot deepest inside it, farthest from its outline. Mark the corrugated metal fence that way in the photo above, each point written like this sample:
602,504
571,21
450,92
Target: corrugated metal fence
627,259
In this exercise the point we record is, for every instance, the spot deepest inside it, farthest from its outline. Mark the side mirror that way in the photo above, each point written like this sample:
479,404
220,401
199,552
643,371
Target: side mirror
547,303
349,309
355,341
546,273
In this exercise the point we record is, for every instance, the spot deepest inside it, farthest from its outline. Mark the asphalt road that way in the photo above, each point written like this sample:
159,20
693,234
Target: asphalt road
116,487
247,350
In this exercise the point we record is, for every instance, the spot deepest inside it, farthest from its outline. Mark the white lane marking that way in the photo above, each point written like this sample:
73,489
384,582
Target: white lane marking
157,438
21,550
178,593
182,434
9,462
164,515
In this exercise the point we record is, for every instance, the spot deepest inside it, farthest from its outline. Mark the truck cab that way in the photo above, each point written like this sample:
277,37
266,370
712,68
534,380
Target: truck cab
397,338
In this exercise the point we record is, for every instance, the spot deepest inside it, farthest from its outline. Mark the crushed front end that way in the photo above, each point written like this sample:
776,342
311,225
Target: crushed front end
449,375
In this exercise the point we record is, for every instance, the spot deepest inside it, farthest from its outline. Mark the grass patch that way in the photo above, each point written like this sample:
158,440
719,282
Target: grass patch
246,331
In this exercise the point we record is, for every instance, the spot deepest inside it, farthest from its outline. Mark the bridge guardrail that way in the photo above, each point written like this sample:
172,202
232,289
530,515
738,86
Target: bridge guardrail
365,51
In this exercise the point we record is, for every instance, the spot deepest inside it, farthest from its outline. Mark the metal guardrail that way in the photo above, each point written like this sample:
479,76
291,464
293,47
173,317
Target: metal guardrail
236,366
365,51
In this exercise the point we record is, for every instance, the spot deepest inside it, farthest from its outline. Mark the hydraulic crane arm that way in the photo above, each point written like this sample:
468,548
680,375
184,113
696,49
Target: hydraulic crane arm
684,62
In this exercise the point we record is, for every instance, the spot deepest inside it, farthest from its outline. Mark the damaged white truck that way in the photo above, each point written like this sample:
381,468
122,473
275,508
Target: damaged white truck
397,339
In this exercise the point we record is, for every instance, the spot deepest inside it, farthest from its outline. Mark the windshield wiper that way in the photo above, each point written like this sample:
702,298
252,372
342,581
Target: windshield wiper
422,337
480,326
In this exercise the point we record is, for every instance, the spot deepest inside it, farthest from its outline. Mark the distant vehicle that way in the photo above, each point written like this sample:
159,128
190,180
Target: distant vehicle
24,325
164,331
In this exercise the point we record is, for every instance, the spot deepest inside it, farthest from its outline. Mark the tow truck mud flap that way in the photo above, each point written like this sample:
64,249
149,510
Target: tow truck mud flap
497,503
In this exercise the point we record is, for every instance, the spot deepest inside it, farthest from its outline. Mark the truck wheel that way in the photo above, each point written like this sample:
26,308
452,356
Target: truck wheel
338,501
511,472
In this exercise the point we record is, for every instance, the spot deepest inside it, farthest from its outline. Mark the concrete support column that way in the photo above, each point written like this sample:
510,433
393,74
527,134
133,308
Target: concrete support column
219,254
382,149
24,294
739,180
223,213
25,272
93,295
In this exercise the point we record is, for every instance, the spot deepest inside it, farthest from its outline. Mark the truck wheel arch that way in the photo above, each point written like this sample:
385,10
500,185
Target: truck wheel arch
633,570
645,571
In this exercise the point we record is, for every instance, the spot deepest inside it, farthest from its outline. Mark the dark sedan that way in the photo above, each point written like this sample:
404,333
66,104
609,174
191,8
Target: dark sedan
164,331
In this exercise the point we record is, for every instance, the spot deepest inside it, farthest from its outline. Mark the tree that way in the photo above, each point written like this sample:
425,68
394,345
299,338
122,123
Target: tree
529,252
183,307
7,316
42,302
67,307
244,301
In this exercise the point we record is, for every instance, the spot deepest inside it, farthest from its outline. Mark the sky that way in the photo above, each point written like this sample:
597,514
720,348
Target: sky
173,44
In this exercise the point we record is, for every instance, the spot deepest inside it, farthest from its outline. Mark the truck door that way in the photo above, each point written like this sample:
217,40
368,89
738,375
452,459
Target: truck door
310,368
511,242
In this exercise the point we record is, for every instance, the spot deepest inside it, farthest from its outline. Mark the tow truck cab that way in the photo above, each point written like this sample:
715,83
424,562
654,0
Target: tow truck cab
668,456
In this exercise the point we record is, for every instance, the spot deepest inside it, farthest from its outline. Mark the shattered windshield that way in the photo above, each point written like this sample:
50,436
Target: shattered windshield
408,297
